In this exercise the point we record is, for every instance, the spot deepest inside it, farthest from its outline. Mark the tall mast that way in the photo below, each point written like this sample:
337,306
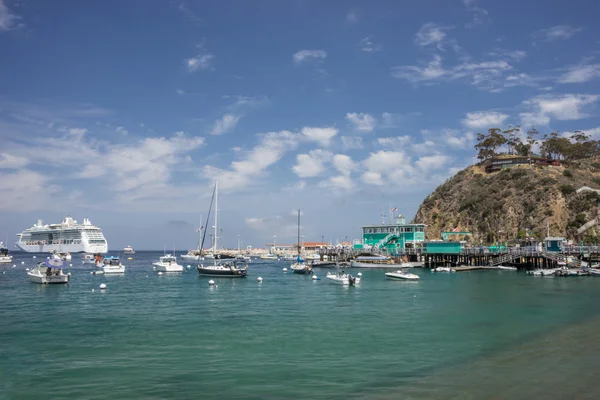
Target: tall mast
216,215
200,235
298,232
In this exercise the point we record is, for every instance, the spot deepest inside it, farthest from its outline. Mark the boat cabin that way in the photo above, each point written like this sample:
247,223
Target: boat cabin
113,261
168,259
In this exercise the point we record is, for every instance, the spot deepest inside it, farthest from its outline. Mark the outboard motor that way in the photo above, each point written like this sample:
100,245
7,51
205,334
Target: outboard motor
351,280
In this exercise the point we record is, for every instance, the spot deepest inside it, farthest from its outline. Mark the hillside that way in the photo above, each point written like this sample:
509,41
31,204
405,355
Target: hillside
514,202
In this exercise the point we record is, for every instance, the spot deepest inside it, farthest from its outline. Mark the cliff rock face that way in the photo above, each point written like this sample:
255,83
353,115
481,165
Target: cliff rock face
515,203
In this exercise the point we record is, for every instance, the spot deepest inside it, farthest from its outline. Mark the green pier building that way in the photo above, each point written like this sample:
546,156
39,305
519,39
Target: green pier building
393,237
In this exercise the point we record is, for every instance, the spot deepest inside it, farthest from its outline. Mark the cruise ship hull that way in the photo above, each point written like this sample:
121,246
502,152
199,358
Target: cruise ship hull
63,248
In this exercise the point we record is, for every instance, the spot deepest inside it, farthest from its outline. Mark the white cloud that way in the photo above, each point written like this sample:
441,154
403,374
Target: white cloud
385,161
479,14
372,178
433,162
484,119
352,142
200,62
9,161
225,124
8,20
580,73
305,55
77,133
122,130
514,54
557,32
431,34
242,173
485,75
343,164
367,45
565,107
459,140
352,17
338,182
322,136
362,122
311,164
26,190
396,143
91,171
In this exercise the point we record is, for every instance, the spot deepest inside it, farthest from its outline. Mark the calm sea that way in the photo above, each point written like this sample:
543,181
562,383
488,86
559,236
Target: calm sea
471,335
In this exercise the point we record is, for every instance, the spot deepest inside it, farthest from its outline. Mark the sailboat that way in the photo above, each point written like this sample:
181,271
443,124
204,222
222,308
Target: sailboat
300,267
228,269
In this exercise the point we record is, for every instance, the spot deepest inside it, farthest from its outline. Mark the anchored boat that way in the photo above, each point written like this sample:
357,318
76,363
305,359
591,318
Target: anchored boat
111,265
167,263
49,271
342,278
367,260
222,269
402,275
300,267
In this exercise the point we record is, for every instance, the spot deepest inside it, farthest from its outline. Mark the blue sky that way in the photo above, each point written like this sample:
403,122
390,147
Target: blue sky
126,112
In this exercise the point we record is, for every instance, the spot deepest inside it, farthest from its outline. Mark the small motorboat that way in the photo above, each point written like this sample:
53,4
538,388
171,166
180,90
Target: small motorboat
128,250
443,269
4,257
167,263
594,271
111,265
343,278
402,275
223,270
506,268
88,258
49,271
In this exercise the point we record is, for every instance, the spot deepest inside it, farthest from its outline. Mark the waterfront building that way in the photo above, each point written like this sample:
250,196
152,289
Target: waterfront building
393,237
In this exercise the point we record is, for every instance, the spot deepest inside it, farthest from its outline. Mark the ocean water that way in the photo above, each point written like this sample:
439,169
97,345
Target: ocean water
468,335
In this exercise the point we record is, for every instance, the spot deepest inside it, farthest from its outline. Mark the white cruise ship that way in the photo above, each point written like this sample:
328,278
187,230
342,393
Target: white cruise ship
66,237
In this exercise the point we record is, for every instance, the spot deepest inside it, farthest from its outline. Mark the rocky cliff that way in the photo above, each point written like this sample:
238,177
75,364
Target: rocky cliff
515,203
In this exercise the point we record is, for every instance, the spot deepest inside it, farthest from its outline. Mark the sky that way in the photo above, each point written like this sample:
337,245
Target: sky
127,112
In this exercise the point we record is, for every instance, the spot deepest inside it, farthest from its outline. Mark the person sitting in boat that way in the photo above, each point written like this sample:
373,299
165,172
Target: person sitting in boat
48,271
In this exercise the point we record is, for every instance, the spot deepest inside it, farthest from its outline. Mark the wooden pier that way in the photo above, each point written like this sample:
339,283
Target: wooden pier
471,259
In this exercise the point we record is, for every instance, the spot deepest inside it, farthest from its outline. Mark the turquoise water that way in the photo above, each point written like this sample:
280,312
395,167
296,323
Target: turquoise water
464,335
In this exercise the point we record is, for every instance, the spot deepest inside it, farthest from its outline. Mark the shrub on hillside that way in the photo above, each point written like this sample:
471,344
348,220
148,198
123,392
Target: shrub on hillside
567,189
567,173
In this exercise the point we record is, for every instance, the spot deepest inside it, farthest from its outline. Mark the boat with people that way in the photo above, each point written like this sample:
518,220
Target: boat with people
111,265
128,250
402,275
49,271
343,278
300,267
369,260
4,257
224,265
167,263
